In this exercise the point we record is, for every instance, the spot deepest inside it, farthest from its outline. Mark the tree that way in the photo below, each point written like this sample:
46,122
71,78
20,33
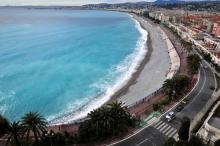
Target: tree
181,81
184,129
207,57
194,62
106,121
173,87
14,133
121,117
34,122
156,106
169,87
195,141
217,142
4,125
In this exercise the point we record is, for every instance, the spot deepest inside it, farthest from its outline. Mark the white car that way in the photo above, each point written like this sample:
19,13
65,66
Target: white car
170,116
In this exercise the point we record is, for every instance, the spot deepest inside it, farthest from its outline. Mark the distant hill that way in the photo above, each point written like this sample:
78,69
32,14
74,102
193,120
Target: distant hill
181,1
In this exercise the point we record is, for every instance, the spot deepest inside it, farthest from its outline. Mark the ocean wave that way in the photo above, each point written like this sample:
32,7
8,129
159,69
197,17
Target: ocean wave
7,95
115,81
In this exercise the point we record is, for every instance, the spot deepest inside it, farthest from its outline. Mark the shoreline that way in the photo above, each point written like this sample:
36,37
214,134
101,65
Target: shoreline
132,81
148,47
152,71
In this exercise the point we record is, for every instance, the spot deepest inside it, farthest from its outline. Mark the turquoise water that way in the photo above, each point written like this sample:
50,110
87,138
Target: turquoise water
57,61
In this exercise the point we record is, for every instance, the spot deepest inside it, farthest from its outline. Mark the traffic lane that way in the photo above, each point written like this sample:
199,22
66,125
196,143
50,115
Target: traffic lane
179,115
147,137
201,95
206,80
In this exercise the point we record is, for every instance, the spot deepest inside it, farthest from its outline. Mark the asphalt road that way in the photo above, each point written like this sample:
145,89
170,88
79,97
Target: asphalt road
156,134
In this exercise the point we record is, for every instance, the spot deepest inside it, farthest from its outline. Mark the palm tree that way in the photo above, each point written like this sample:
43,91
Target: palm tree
14,133
34,122
101,120
4,125
121,117
168,87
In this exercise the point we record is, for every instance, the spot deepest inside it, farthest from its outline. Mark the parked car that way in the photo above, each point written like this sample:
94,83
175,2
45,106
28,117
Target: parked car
212,87
170,116
179,108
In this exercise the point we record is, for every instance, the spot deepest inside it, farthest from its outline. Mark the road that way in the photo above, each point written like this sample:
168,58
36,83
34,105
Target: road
157,133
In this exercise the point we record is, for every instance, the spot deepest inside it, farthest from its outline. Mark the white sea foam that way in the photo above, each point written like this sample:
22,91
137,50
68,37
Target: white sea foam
123,72
5,96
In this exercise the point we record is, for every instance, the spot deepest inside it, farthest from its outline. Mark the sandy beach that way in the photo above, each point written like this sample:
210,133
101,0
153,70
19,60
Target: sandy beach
152,71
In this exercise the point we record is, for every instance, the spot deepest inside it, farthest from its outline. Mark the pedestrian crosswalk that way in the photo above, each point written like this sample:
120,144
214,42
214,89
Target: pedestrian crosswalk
166,129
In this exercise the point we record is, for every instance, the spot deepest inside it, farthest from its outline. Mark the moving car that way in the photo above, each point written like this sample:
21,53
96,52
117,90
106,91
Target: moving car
179,108
170,116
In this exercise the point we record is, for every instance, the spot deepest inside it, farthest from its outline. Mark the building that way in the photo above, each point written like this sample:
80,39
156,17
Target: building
216,29
210,131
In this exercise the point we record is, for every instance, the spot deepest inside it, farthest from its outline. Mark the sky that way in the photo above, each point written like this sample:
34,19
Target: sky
62,2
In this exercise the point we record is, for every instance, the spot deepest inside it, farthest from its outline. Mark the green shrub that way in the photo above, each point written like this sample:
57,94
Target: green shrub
165,101
156,106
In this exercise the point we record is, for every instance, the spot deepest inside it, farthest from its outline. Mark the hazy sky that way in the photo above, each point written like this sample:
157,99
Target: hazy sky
61,2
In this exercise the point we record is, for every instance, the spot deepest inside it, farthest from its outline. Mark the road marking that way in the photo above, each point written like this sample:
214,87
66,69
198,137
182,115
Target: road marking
166,129
157,124
163,127
167,133
151,120
171,134
200,90
160,126
145,141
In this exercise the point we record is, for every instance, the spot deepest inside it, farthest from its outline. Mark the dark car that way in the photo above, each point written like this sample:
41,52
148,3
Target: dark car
179,108
212,87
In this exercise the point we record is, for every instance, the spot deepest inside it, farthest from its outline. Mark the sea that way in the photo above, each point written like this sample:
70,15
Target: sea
65,63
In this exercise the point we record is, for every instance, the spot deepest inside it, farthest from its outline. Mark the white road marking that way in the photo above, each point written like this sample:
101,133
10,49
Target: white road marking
171,134
151,120
168,132
158,128
164,127
157,124
145,141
